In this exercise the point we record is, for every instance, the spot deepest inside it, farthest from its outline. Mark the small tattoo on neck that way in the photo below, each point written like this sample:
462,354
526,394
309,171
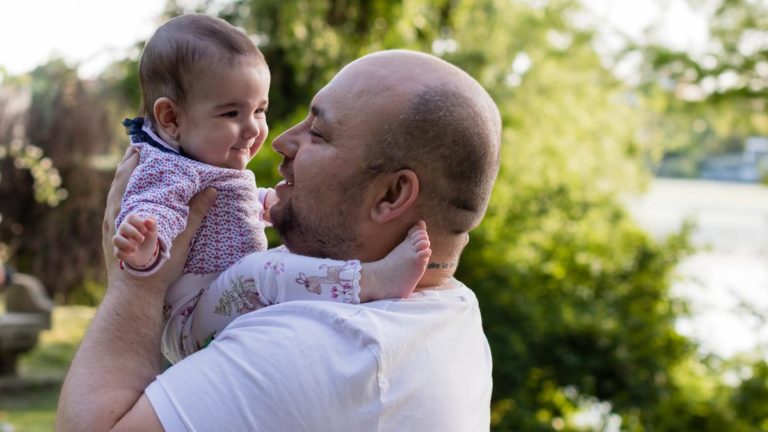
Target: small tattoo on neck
442,266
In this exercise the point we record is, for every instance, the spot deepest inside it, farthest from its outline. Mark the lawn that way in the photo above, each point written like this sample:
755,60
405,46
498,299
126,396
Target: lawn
32,407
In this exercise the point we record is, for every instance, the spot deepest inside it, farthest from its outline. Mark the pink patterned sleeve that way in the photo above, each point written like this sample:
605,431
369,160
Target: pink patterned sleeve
161,187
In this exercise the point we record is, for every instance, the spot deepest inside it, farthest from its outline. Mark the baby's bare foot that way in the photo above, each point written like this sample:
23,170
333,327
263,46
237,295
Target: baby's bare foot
396,275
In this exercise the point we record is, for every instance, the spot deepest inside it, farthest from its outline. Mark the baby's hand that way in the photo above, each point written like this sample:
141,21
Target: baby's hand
136,241
269,200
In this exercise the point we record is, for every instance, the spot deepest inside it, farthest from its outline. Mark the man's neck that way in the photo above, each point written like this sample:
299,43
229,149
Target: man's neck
446,251
440,271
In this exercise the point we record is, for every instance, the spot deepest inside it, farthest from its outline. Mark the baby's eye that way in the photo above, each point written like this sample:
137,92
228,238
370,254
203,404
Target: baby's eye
260,111
230,114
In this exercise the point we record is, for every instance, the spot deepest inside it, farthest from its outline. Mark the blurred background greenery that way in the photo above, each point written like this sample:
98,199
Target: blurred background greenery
576,295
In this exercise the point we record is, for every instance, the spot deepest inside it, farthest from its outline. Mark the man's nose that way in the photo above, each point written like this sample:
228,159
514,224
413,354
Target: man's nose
286,143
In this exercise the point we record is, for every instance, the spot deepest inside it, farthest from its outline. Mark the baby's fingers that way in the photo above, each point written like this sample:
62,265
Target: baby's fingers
130,232
137,222
150,225
123,247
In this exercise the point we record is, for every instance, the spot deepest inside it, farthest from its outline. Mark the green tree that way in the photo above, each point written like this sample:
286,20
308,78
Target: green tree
711,99
20,159
67,120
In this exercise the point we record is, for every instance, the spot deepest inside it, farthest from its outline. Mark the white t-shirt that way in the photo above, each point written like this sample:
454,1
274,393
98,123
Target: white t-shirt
418,364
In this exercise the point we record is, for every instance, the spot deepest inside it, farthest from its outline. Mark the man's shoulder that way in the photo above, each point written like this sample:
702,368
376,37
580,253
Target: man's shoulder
321,325
378,327
422,306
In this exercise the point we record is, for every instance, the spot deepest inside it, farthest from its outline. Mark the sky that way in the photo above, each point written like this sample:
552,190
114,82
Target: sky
679,26
93,33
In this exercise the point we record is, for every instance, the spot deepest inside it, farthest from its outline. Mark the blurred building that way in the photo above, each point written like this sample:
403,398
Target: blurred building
749,165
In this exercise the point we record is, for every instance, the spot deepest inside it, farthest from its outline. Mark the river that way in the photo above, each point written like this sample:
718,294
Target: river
726,280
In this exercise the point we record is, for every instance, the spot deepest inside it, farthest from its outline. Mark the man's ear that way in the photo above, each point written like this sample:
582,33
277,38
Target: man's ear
396,196
167,116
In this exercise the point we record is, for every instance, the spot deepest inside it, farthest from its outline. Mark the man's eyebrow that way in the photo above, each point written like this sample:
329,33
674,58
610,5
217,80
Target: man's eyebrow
318,112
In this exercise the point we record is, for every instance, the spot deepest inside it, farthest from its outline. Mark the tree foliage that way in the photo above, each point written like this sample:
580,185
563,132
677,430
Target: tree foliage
56,146
710,99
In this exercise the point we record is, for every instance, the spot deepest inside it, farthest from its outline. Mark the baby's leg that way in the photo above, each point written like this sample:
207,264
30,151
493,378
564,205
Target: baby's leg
396,275
261,279
276,276
178,312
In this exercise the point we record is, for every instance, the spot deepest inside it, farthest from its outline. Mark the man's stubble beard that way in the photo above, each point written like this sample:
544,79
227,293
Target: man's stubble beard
321,234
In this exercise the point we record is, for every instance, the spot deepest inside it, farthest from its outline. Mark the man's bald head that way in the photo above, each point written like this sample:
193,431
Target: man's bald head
445,127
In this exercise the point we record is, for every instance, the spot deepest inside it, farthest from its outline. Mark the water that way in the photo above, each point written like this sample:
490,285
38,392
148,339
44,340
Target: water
726,281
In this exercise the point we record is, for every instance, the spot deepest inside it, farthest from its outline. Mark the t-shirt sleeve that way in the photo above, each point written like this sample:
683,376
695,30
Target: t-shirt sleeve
288,367
161,403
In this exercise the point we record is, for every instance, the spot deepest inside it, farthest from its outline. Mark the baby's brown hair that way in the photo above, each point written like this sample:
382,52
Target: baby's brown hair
183,48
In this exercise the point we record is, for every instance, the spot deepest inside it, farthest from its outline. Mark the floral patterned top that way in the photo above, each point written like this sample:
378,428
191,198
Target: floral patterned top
165,181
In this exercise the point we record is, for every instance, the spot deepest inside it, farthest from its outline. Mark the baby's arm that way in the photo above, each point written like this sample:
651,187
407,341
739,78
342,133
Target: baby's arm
158,190
276,276
136,242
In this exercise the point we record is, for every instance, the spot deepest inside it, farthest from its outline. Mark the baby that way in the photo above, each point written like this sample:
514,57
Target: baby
204,87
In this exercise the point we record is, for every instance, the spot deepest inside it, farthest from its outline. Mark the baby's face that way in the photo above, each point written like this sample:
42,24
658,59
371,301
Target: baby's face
223,122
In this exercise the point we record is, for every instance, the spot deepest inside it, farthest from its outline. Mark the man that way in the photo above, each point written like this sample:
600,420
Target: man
395,137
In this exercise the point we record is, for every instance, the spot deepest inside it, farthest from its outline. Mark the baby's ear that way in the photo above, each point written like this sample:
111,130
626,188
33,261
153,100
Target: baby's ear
166,116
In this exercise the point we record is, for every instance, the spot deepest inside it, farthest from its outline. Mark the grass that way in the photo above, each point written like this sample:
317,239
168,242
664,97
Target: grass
32,408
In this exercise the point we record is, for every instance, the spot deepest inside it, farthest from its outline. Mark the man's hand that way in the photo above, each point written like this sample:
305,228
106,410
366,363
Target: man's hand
120,353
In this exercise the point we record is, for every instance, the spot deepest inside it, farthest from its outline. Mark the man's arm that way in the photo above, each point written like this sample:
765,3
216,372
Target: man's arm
119,355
